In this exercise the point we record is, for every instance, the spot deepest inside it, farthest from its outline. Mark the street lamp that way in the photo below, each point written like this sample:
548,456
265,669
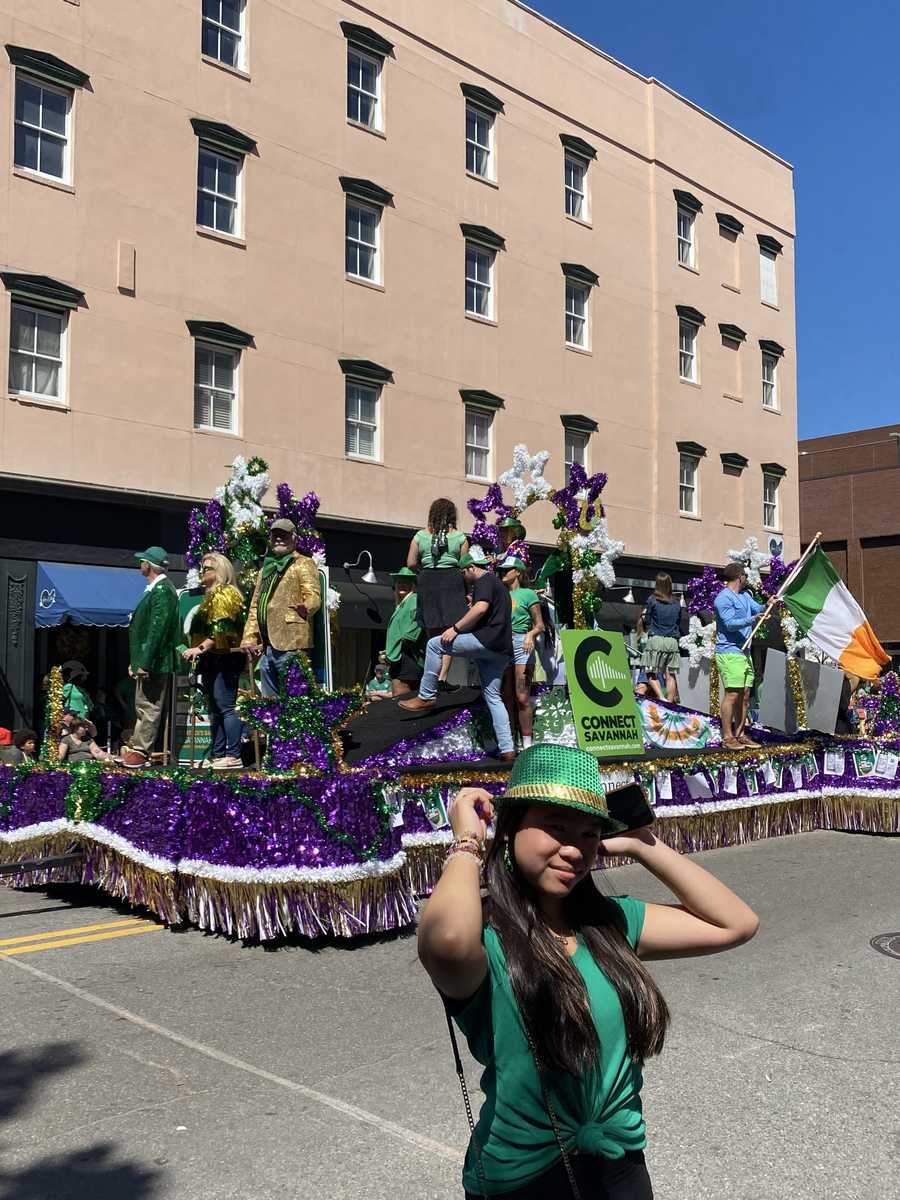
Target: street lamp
370,576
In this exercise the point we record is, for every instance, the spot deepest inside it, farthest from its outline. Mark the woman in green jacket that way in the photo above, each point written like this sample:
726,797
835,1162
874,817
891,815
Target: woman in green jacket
548,982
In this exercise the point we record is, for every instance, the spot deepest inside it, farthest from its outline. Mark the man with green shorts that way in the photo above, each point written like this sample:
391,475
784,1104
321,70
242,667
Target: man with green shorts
735,611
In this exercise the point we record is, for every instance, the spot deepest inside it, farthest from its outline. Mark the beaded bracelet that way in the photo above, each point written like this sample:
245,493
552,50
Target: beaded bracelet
464,848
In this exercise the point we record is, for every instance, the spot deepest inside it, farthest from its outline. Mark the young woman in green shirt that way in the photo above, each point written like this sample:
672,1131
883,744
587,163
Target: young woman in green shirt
527,623
434,553
547,980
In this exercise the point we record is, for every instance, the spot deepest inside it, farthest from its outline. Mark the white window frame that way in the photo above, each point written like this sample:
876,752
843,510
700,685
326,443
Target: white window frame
572,193
574,440
490,256
686,242
690,488
377,122
356,422
61,399
210,347
770,386
767,295
240,33
221,197
772,502
489,147
578,320
66,139
472,411
358,242
688,354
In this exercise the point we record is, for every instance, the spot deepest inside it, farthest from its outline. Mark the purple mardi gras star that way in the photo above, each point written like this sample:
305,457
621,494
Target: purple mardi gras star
580,483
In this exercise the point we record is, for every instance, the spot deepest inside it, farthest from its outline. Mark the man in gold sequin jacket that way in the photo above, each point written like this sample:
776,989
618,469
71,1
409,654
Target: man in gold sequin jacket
284,600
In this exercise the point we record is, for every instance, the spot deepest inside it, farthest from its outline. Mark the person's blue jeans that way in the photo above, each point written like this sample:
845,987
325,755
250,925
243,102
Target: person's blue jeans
221,674
491,667
269,675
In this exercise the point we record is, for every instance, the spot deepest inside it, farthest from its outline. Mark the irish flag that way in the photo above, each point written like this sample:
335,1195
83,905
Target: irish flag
828,615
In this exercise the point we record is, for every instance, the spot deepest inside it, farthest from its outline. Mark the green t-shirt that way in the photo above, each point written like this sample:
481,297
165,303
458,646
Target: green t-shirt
522,600
75,700
449,558
599,1114
378,685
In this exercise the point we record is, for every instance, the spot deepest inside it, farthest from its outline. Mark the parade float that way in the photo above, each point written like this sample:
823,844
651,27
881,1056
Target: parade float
346,823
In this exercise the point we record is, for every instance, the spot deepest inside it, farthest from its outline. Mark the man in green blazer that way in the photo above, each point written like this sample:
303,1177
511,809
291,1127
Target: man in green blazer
152,637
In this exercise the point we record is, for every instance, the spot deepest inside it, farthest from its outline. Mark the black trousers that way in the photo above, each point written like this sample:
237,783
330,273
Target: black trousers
623,1178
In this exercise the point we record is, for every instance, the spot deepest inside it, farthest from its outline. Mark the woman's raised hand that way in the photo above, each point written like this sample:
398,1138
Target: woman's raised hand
471,811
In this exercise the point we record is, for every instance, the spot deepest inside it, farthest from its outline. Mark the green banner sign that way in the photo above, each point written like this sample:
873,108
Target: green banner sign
607,718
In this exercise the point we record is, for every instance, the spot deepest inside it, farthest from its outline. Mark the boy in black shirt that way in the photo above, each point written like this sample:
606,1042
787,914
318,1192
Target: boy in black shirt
483,634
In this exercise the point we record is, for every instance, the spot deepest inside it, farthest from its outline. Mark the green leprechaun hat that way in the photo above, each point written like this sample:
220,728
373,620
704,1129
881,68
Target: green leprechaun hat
550,774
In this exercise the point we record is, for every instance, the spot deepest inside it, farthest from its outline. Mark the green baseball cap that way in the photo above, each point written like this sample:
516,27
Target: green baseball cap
285,525
561,775
511,523
155,555
510,564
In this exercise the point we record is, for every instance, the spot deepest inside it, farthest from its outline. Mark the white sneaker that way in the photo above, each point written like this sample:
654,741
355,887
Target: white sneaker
227,764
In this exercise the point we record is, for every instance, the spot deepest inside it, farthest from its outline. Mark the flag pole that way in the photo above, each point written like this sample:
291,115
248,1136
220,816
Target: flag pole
790,579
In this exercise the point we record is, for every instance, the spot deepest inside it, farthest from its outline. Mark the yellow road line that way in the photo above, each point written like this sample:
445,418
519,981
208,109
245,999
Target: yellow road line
77,941
40,937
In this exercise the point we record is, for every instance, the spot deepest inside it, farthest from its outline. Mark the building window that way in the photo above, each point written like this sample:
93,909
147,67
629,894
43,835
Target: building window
219,191
361,257
215,388
363,88
576,451
576,187
361,424
688,498
478,443
479,142
686,255
479,281
768,278
687,350
769,384
771,515
37,345
42,128
223,31
577,295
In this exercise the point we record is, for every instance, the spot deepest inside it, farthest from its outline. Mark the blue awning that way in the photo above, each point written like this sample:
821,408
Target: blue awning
85,595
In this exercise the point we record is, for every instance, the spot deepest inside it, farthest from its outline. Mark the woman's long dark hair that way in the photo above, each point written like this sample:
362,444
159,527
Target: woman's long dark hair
662,589
441,519
548,987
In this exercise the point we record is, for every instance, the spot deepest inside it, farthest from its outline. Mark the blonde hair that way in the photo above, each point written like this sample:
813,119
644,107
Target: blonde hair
222,567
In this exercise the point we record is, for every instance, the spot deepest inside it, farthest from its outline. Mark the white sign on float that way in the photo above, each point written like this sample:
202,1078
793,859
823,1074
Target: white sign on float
821,690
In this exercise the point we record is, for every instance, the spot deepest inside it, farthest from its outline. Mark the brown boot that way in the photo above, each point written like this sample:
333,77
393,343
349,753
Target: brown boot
133,758
507,755
416,705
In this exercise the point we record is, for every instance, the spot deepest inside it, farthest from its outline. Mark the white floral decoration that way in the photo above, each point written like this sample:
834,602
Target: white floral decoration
753,559
795,645
333,599
527,491
699,641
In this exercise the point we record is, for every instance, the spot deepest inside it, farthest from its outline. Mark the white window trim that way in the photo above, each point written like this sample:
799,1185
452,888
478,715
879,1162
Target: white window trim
68,148
586,290
491,117
683,323
695,511
768,256
773,358
568,460
470,410
377,388
377,276
221,348
690,242
240,159
378,63
241,32
62,400
584,163
775,527
491,314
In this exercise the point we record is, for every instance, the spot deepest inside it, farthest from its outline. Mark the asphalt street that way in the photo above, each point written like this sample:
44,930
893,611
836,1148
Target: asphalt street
139,1063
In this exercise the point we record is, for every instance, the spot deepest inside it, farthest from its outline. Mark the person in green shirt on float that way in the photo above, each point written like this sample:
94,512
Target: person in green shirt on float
527,623
379,686
435,553
547,983
405,645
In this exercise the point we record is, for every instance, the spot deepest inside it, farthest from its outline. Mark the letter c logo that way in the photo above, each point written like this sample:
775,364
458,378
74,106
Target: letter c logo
603,698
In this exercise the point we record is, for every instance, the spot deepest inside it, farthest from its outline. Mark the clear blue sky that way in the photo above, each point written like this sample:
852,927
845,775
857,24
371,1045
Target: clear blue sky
818,83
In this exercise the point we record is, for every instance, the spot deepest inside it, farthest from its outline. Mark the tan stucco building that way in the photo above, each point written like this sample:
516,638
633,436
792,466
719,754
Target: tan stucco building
379,246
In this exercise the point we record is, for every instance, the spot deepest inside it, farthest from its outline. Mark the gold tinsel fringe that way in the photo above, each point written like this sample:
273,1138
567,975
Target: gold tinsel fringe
45,846
131,881
860,813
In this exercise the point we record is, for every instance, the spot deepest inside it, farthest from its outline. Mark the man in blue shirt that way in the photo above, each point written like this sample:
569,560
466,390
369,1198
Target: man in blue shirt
735,613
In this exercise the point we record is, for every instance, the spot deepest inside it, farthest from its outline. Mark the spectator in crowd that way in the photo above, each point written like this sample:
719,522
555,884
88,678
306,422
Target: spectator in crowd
8,752
661,619
735,611
435,552
74,695
78,745
527,624
379,686
26,742
216,627
481,633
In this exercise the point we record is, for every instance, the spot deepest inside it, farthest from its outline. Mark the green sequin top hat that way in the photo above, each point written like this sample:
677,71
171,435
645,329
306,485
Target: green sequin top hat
562,775
403,573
